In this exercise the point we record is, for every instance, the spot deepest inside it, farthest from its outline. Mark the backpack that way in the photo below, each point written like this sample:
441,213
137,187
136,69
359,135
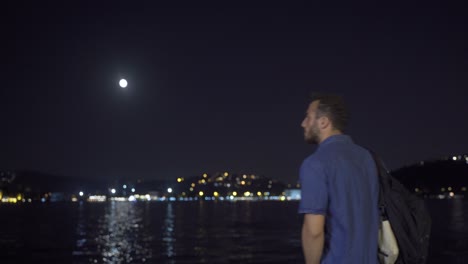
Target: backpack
408,217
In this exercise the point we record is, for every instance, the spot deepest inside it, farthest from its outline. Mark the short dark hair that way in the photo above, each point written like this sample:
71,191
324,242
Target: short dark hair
333,107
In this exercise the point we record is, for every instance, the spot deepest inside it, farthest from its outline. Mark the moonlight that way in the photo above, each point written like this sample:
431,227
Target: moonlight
123,83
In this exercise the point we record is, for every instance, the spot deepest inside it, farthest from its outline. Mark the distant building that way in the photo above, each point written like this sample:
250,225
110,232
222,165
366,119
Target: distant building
57,197
292,194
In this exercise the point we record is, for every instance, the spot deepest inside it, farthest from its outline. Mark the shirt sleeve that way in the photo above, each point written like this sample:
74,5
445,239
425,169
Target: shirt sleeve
314,191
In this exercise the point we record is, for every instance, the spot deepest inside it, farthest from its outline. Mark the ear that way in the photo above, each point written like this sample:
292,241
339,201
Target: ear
324,122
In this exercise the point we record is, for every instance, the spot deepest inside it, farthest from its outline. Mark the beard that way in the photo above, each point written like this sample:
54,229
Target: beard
311,136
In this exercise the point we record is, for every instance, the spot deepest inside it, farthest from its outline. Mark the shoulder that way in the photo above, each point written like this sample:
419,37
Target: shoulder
366,156
366,153
314,162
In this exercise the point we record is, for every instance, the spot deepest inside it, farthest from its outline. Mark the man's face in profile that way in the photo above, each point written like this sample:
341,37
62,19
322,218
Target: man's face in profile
310,124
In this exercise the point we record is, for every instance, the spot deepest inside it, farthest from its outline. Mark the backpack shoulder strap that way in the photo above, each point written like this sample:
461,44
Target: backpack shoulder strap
384,177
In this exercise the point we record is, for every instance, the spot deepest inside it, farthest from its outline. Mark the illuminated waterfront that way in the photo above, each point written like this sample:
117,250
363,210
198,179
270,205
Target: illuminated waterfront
441,179
18,187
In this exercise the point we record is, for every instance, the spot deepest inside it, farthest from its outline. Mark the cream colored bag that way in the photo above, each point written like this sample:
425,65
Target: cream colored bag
388,246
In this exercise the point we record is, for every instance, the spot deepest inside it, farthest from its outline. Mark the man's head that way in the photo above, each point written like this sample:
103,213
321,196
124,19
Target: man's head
326,116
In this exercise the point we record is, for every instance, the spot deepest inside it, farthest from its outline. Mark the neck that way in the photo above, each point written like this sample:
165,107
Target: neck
329,134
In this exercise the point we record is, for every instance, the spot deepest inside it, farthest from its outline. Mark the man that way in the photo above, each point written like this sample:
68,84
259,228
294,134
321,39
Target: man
339,189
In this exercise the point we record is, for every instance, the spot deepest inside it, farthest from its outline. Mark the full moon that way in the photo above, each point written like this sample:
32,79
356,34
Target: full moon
123,83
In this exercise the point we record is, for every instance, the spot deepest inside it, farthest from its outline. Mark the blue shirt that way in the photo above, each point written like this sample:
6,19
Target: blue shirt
339,180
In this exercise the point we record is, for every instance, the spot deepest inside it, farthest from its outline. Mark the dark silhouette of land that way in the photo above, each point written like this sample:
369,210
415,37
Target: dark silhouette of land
437,176
434,177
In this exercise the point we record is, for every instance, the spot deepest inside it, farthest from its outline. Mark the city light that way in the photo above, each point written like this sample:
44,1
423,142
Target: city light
97,198
9,200
454,158
209,187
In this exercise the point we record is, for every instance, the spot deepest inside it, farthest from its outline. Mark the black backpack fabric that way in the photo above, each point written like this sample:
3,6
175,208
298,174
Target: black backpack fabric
408,217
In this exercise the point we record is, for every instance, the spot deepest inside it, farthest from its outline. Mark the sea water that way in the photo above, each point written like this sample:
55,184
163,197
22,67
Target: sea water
185,232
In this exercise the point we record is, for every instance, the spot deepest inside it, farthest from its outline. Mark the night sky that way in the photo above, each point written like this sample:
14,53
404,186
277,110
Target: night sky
224,88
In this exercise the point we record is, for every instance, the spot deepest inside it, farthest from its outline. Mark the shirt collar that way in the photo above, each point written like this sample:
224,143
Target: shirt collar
336,138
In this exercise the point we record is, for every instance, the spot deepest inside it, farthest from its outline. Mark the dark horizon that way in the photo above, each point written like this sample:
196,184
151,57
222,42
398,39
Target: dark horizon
225,88
426,178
